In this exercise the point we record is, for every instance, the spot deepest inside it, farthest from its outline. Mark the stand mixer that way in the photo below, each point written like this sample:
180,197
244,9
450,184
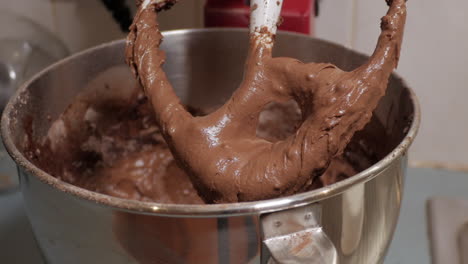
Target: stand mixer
297,16
348,222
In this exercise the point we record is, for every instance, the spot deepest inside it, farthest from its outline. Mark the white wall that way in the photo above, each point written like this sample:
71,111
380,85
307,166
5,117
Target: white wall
433,58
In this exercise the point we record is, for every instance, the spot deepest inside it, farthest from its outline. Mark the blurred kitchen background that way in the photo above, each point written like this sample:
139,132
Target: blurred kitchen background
432,59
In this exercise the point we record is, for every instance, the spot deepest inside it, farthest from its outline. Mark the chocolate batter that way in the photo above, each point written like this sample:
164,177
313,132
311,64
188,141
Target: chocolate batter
113,146
236,164
301,117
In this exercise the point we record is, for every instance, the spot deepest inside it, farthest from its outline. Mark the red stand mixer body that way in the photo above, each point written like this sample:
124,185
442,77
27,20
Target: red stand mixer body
298,15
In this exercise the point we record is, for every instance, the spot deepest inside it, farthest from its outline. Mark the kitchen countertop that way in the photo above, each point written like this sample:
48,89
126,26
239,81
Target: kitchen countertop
410,243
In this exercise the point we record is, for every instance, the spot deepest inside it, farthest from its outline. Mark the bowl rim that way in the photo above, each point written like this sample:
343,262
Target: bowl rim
205,210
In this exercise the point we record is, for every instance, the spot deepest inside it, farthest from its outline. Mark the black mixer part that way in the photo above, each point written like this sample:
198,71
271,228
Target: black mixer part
120,12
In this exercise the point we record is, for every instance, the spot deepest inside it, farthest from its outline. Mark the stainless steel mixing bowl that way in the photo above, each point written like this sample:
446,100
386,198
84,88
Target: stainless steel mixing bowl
348,222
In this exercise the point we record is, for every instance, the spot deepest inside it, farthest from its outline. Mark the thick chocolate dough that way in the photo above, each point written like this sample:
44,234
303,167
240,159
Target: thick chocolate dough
113,146
236,165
